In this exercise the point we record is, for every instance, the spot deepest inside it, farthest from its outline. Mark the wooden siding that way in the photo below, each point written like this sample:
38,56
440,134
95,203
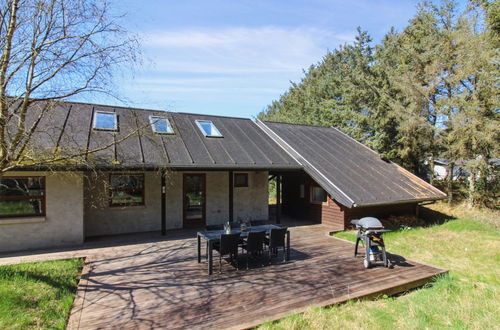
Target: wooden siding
333,215
329,213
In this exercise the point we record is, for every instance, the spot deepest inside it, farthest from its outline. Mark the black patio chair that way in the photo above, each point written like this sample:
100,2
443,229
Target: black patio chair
275,241
214,227
257,222
236,225
254,244
227,245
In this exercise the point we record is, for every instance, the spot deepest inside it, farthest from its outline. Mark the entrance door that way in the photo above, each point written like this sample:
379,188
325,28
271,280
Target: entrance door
194,200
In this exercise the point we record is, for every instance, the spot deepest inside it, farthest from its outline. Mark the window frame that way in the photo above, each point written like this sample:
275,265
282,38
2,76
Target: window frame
94,124
311,188
242,185
152,121
111,190
43,197
200,127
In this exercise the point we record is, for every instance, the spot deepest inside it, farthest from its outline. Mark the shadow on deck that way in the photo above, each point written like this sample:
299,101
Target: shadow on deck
160,284
148,280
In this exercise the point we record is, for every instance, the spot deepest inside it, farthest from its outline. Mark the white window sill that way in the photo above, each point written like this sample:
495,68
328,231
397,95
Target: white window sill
16,221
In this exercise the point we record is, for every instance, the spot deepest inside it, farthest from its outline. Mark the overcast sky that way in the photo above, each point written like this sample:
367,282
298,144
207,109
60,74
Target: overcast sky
234,57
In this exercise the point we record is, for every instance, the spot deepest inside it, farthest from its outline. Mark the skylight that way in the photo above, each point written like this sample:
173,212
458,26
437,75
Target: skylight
160,125
105,120
208,128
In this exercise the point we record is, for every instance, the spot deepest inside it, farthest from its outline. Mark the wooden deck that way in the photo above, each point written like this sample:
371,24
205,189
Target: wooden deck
160,284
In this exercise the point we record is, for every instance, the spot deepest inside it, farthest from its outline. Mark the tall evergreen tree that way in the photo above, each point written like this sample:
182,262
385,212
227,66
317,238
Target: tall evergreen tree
475,128
428,91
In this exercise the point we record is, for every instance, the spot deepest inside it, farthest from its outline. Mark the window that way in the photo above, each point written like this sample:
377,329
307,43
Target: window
22,196
302,191
104,120
241,179
160,125
126,189
318,195
208,128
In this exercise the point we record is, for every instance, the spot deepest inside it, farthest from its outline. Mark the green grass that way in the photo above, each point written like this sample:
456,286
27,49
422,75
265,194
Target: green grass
38,295
467,298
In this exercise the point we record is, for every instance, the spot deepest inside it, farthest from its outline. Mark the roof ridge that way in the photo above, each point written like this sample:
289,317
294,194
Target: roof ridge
147,109
201,114
112,106
296,124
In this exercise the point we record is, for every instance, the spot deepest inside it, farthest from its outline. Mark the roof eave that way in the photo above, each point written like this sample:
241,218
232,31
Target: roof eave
149,167
235,167
407,201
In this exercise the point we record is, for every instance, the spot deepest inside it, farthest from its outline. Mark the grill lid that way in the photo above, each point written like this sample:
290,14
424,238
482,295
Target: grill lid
370,222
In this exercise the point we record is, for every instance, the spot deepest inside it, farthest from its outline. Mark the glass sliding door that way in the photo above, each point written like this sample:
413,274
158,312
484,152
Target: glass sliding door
194,200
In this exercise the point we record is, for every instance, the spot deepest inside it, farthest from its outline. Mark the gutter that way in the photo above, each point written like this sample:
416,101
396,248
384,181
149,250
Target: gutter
402,202
156,167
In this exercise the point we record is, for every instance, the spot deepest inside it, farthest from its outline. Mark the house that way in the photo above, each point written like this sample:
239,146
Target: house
460,170
441,169
155,171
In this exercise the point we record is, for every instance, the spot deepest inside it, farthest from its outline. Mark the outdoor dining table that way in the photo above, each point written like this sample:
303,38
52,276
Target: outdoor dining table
212,236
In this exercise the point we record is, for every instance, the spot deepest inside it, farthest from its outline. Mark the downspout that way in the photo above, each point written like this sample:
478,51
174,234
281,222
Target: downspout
231,196
163,203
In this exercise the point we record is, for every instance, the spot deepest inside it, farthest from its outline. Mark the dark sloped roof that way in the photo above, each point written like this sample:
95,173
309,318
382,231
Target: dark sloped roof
69,126
243,144
350,172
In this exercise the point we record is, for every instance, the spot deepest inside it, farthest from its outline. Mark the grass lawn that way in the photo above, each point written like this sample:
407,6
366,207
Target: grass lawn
468,297
38,295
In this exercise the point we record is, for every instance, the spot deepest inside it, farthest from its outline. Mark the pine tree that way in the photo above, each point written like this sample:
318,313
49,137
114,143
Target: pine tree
428,91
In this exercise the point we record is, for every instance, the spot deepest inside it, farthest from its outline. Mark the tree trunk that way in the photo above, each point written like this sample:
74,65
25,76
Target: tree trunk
4,65
472,190
449,182
431,165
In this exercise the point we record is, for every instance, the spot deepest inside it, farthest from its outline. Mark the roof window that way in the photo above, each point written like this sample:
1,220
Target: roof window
104,120
161,125
208,128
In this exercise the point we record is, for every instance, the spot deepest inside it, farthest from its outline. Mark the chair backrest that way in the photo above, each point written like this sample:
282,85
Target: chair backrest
214,227
257,222
229,243
277,237
255,241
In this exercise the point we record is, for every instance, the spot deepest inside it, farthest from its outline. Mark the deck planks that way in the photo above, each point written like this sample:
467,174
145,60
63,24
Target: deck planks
160,284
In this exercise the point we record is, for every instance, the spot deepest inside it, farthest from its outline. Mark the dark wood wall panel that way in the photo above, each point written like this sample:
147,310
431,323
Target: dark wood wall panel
295,206
333,215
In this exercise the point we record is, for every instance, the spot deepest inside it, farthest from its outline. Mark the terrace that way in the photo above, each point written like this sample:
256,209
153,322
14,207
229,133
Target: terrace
147,280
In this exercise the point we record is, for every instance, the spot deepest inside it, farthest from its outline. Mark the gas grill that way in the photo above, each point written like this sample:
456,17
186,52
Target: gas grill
370,231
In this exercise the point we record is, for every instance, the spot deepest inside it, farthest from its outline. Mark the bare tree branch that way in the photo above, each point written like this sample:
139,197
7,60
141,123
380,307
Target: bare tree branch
52,50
